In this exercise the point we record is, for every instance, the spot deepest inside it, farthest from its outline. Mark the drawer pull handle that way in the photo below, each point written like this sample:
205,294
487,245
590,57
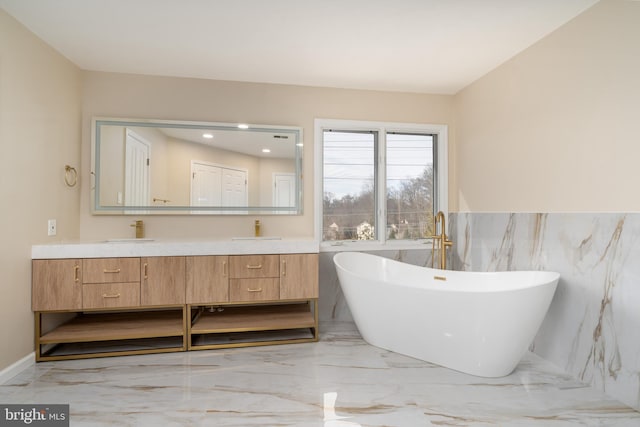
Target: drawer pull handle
284,267
224,268
76,273
254,267
146,272
254,290
117,270
110,296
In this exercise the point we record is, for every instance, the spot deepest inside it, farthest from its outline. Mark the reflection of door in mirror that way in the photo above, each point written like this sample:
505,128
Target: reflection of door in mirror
284,190
218,185
234,188
137,155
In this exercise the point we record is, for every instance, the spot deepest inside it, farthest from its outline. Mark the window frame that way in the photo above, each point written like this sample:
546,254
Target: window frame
382,128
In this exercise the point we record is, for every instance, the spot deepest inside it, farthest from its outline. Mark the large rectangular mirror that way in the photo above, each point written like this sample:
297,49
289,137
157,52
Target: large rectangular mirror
176,167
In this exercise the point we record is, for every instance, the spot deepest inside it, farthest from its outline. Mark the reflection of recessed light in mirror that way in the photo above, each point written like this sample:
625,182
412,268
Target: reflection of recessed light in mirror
243,126
207,135
266,150
299,144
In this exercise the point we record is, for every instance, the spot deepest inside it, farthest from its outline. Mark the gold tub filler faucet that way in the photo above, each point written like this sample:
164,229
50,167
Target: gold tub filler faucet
139,225
443,241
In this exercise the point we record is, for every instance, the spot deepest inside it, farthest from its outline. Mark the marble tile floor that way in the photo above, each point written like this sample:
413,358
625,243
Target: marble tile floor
338,382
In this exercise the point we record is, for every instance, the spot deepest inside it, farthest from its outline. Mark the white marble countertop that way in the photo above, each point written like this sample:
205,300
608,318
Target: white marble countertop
166,247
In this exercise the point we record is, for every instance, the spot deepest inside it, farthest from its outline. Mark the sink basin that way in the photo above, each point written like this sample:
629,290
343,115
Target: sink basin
128,240
256,238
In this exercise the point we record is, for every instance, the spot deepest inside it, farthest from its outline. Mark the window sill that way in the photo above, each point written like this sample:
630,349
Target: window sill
367,246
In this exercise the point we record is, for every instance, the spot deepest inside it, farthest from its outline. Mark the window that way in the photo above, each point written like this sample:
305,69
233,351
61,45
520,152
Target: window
349,186
410,186
378,182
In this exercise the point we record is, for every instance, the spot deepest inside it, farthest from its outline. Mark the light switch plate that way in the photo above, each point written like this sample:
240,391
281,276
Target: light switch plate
52,227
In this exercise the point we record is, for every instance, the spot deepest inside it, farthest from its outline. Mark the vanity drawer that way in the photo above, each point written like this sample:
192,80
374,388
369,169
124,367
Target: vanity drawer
254,289
110,270
254,266
111,295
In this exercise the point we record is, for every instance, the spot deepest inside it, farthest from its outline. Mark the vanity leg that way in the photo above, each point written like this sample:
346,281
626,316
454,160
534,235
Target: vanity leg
37,326
186,327
316,331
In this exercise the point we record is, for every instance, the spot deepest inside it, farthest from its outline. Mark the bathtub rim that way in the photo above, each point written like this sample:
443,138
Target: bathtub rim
451,284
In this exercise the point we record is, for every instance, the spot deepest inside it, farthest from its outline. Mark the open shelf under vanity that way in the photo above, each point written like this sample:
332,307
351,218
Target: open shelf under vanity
243,325
99,334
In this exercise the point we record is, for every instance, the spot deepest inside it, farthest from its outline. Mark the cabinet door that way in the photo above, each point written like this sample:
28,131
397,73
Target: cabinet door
56,284
298,276
207,279
162,281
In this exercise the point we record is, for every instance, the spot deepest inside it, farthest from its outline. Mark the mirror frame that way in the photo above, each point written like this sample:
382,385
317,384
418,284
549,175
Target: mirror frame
98,209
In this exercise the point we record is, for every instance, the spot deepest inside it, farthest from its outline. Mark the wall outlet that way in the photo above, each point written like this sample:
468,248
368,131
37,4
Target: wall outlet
52,227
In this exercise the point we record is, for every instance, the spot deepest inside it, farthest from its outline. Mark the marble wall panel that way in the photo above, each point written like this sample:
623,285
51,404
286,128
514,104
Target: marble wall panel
591,329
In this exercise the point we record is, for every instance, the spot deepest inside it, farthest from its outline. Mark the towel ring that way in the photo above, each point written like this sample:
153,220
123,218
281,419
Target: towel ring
70,176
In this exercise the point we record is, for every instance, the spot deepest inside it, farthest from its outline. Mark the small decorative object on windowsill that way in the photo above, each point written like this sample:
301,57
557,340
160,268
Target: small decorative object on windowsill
257,228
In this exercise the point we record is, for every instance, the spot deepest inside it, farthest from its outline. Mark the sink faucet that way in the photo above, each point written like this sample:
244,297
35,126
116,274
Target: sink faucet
139,225
443,241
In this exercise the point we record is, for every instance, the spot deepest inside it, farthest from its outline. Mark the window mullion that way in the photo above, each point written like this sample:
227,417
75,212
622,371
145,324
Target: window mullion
381,179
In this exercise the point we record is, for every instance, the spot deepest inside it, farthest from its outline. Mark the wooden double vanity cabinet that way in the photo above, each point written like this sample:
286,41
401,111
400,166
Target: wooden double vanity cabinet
107,306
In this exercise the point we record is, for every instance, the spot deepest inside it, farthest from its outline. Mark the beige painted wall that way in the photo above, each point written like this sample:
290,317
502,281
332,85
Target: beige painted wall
556,128
136,96
40,121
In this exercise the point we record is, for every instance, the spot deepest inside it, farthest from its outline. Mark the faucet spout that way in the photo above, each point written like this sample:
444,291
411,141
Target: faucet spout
442,239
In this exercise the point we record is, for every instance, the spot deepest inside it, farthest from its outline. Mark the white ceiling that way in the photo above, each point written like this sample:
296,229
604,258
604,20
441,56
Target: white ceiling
427,46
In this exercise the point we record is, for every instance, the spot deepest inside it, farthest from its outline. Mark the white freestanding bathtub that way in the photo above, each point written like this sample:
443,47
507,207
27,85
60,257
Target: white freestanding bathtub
477,323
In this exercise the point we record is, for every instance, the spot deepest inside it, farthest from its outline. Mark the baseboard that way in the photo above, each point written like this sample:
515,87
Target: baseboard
14,369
